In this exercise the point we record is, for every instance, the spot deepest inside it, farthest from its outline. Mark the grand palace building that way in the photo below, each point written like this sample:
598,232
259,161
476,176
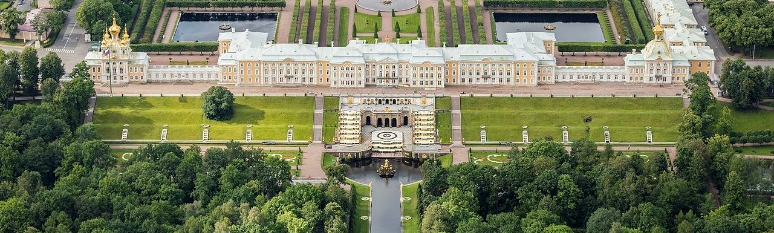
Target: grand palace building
528,59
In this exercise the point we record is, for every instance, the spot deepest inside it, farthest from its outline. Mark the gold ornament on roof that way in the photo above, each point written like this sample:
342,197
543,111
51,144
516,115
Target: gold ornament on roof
658,30
114,29
105,38
125,37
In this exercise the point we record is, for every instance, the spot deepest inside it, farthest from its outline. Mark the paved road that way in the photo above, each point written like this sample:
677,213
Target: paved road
70,44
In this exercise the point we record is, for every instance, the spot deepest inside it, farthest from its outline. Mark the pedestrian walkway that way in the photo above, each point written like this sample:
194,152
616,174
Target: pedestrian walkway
61,50
319,102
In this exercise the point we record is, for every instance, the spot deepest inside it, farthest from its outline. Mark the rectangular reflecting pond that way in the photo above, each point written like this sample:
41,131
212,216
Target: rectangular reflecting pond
197,26
570,27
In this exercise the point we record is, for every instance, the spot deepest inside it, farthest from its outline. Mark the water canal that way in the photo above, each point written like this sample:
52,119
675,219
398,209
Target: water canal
197,26
570,27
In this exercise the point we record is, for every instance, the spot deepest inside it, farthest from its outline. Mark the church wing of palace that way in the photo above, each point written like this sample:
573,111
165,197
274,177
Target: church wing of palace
249,59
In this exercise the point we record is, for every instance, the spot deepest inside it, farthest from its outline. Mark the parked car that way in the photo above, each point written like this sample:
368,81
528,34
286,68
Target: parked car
704,28
506,143
705,32
269,143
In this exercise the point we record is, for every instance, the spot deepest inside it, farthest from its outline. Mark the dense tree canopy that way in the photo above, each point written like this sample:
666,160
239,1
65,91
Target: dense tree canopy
745,85
218,103
742,23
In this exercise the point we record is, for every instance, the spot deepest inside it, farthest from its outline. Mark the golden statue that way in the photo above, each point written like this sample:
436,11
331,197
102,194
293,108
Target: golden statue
424,100
387,39
386,170
349,100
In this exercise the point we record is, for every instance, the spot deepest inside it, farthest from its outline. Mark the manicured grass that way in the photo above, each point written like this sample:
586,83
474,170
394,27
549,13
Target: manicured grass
644,154
408,23
403,39
446,160
365,23
606,29
749,120
330,123
362,207
344,26
443,103
291,156
10,42
492,158
443,124
430,33
755,150
409,208
120,154
331,102
270,117
626,117
328,160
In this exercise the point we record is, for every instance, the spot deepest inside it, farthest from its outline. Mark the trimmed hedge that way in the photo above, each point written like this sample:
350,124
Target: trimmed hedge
304,22
164,27
430,18
596,47
331,24
153,21
139,25
344,26
618,19
480,22
638,35
455,24
466,21
317,21
176,47
642,17
547,3
292,36
205,4
442,22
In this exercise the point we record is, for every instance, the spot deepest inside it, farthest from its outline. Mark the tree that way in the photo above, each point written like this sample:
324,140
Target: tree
218,103
11,18
56,20
733,193
602,220
354,30
744,85
336,172
51,67
537,221
379,13
94,16
397,30
376,31
73,99
7,82
29,70
62,5
81,70
41,25
48,88
393,12
419,31
14,216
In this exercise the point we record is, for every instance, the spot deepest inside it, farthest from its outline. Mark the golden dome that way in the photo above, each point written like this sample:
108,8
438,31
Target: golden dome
125,37
114,29
105,37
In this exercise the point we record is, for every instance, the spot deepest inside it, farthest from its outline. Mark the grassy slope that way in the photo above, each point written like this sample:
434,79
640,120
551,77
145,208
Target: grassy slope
269,116
757,150
443,119
362,208
627,117
330,118
749,120
410,208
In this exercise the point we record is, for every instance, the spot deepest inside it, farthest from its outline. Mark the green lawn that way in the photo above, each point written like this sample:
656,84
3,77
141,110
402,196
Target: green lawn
408,23
365,23
122,154
362,207
410,207
330,122
749,120
443,103
291,156
331,102
492,158
755,150
446,160
626,117
270,117
443,124
328,160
